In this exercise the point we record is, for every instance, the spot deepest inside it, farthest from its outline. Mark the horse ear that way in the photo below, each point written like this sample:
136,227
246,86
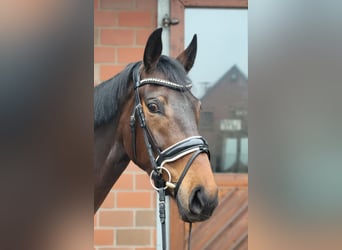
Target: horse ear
153,50
187,57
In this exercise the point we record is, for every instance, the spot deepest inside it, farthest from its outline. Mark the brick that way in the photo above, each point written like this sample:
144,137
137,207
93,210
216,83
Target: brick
154,20
109,201
142,182
142,36
119,248
117,37
135,19
103,237
96,36
154,197
105,18
145,218
139,237
146,4
116,4
124,182
133,168
96,219
103,54
108,71
96,4
116,218
133,199
127,55
154,236
96,72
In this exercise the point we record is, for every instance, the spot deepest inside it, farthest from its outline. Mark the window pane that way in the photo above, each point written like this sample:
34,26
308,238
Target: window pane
220,79
244,151
222,43
229,154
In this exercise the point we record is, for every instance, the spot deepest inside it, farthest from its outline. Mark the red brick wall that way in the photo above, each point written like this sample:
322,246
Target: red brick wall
121,28
126,219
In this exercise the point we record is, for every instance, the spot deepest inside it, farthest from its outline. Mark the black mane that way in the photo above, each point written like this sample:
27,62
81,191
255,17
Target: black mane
110,95
173,70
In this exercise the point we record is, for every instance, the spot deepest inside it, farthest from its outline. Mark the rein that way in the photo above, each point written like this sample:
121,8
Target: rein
194,144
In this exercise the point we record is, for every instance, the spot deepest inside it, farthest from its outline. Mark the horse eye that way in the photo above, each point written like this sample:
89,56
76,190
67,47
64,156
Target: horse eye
153,107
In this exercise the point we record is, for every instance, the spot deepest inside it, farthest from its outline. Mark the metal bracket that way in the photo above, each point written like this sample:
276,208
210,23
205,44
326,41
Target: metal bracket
167,21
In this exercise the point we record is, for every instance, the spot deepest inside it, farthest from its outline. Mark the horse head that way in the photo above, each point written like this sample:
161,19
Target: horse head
170,116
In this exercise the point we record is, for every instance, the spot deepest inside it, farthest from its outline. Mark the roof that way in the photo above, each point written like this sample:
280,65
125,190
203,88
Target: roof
233,75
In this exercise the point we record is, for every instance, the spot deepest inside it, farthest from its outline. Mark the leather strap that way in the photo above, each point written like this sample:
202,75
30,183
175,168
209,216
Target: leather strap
188,165
182,148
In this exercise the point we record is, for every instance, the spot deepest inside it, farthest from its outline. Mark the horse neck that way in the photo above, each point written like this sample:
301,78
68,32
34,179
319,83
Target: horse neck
110,157
106,141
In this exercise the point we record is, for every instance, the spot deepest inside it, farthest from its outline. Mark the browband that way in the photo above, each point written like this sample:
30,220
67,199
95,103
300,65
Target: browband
164,83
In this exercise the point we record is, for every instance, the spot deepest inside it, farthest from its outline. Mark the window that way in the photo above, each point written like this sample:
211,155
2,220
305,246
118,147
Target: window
220,79
229,154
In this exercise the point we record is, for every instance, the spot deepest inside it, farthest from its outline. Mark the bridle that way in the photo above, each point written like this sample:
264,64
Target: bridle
194,144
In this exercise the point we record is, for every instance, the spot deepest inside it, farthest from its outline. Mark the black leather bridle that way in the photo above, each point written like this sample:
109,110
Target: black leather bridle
194,144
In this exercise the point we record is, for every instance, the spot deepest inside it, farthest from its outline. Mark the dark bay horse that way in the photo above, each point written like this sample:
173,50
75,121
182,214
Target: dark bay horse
147,111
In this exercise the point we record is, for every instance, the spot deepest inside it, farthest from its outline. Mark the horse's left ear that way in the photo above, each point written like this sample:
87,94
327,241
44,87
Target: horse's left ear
187,57
153,50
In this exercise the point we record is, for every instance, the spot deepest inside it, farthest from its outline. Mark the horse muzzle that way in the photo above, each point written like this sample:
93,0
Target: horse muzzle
200,206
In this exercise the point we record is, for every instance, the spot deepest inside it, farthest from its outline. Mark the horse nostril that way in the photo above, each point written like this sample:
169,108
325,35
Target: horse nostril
201,204
197,201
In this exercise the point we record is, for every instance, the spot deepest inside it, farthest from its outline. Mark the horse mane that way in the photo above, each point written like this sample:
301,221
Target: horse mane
110,95
173,70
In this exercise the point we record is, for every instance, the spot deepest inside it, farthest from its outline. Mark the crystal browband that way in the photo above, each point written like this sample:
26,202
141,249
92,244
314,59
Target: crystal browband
165,83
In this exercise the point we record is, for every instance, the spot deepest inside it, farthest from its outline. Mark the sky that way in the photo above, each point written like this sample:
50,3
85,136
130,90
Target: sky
222,36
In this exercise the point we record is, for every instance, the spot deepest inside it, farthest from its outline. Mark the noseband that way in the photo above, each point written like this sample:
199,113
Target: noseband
194,144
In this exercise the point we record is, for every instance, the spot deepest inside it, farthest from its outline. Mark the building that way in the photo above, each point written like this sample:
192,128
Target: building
224,121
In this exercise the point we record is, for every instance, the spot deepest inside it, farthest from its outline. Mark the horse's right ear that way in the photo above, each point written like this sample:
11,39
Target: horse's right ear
153,50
